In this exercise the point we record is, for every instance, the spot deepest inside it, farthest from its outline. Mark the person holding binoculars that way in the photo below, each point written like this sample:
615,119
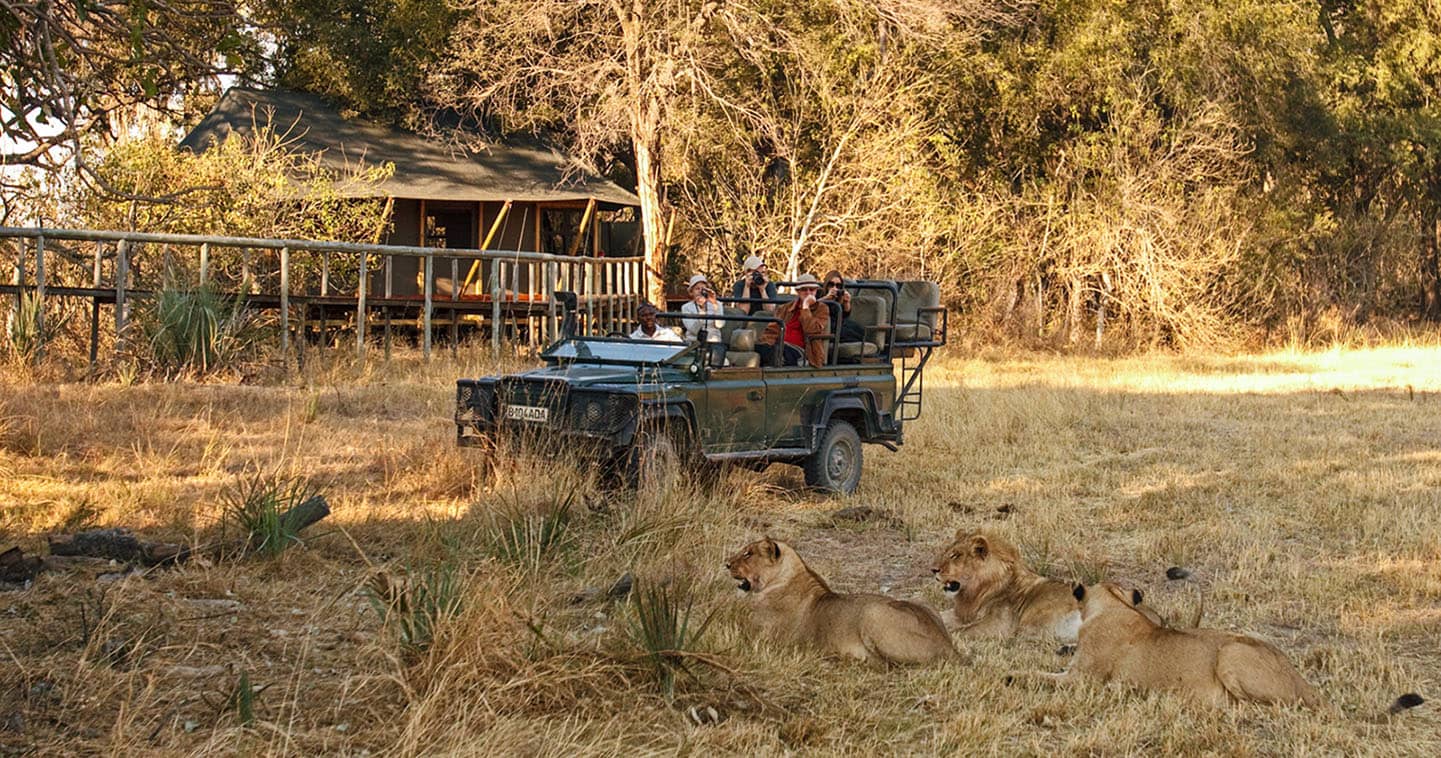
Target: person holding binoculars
755,284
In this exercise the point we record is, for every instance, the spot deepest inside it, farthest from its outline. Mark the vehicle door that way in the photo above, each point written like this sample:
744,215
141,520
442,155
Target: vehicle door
733,417
793,395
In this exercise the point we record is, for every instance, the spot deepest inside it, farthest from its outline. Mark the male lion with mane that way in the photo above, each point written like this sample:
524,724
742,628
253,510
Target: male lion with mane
793,604
997,596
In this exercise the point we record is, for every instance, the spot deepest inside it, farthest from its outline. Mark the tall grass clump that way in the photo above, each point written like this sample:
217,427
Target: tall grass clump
196,329
527,538
26,328
418,605
666,631
255,506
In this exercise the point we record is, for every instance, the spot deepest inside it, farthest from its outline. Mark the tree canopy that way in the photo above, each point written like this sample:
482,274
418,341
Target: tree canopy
1164,171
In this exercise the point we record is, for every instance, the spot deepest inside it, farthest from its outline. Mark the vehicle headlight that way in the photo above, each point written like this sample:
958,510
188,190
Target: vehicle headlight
594,411
474,401
599,411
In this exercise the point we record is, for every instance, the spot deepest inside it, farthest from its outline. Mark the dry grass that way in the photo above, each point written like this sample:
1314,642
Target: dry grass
1300,488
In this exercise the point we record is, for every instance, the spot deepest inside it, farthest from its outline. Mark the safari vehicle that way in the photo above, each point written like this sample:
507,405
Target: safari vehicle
637,406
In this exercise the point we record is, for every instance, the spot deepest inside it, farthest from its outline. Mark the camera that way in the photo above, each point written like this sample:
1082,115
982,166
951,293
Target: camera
758,279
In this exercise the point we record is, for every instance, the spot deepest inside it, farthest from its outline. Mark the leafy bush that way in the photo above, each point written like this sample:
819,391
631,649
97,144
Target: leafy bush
197,330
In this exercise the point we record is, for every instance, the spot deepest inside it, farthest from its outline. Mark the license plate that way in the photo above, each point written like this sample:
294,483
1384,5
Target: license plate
532,413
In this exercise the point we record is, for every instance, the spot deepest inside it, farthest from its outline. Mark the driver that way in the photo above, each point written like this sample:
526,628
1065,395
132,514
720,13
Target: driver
649,330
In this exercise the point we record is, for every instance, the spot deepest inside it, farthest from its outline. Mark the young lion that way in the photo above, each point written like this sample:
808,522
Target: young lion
1118,642
997,596
793,604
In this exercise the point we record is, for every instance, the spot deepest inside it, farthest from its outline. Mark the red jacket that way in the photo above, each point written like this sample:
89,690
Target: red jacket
814,321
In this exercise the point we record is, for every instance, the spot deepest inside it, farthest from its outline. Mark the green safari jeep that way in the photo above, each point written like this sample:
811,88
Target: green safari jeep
637,407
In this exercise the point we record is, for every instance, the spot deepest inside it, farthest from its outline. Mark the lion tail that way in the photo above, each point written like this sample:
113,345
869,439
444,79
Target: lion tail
1404,703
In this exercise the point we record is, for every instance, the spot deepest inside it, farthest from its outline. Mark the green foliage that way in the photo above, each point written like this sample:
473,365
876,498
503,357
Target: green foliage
528,538
197,329
254,505
665,630
417,606
27,330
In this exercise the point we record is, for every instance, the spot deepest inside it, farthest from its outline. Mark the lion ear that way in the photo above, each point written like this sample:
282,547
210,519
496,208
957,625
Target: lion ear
773,549
1135,597
980,546
1079,591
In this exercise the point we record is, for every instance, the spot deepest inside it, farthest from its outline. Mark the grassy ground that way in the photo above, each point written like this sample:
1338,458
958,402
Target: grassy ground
1301,489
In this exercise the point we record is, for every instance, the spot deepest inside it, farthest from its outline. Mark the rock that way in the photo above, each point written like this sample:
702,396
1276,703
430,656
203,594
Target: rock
622,586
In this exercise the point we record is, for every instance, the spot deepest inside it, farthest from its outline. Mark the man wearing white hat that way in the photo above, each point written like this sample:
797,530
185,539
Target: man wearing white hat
803,319
703,303
754,284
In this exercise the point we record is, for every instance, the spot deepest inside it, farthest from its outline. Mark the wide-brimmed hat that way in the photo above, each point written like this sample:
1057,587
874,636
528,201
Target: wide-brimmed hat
697,279
752,263
806,280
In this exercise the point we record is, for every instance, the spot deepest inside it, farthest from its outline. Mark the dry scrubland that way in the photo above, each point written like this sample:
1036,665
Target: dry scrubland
1300,488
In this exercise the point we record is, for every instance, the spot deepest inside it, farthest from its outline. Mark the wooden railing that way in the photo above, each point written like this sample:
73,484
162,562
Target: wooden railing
515,301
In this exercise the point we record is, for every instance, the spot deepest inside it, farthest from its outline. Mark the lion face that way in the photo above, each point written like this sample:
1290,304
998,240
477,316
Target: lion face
972,563
756,565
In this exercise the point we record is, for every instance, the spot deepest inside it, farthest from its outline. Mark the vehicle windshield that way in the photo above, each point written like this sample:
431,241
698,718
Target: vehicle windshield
612,350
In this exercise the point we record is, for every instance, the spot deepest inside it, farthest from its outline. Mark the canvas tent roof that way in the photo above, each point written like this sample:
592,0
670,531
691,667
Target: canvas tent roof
423,168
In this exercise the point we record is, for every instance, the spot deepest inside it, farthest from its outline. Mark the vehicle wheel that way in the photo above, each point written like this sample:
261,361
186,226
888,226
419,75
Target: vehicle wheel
835,466
656,461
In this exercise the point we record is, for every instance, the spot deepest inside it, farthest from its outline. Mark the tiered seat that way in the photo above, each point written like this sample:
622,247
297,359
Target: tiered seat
740,341
913,322
871,313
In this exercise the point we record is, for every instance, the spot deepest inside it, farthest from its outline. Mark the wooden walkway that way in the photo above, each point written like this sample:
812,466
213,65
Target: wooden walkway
509,295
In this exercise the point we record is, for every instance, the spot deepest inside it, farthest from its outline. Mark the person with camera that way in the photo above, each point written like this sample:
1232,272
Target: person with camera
754,284
804,318
707,327
836,294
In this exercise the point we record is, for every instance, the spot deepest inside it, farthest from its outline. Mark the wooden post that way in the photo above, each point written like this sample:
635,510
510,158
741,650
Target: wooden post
360,311
454,311
204,262
285,301
39,295
385,309
588,281
581,233
95,307
495,295
122,272
552,273
485,243
427,283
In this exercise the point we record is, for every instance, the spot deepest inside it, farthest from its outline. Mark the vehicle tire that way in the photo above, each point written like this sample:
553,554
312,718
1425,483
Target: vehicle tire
657,461
835,466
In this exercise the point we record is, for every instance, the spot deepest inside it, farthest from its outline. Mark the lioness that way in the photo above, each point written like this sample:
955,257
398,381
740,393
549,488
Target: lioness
792,603
997,596
1118,642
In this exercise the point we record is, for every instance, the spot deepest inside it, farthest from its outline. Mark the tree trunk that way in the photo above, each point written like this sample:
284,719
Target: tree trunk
1431,272
646,137
117,544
